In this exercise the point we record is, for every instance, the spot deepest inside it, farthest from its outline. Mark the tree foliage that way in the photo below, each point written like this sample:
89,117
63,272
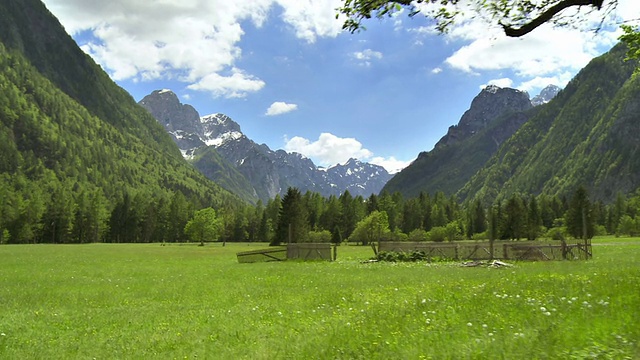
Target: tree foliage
579,218
204,226
516,17
372,228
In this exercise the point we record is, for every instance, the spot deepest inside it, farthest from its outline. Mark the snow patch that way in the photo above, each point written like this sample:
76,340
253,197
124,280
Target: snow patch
188,154
223,138
215,119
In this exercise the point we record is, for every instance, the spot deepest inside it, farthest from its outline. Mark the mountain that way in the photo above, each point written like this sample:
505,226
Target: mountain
587,136
75,146
494,116
192,135
492,103
584,135
264,172
547,94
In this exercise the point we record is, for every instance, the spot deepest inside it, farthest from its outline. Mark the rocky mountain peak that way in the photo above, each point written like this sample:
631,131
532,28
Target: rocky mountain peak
268,172
219,128
491,103
165,106
181,121
548,93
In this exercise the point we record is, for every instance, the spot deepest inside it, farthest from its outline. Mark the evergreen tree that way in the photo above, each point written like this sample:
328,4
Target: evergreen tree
534,219
515,218
180,211
412,215
478,218
579,217
293,223
331,219
372,203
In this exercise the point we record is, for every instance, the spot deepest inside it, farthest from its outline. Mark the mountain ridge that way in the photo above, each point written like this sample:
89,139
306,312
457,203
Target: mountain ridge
582,136
268,172
80,160
494,115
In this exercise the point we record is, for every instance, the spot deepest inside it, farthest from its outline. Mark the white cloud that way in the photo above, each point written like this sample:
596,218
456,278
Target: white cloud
329,150
236,85
436,70
364,57
503,83
312,18
391,164
543,53
280,107
193,41
538,83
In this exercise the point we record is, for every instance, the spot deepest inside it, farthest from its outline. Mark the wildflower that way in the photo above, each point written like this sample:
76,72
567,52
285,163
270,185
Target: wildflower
543,309
424,301
469,324
547,313
484,326
490,334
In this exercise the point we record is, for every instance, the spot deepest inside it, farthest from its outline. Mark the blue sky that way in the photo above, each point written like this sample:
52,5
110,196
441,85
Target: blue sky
286,73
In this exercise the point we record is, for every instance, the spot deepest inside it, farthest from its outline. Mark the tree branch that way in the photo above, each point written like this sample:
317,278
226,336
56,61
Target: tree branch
547,15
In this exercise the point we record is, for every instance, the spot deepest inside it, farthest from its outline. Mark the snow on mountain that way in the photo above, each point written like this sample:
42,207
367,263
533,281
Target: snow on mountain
546,95
269,172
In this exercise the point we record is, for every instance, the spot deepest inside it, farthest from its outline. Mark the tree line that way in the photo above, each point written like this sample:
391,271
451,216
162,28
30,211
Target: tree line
59,215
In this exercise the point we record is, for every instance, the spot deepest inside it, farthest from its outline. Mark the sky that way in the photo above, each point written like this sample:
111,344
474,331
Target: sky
287,74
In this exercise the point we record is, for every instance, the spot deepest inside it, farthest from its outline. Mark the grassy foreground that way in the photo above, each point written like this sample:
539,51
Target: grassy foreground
151,301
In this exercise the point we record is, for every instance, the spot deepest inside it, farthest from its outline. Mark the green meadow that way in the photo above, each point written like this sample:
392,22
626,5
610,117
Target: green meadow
108,301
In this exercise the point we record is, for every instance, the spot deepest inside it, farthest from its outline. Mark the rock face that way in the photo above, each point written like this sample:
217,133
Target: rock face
546,95
494,115
182,122
491,103
269,172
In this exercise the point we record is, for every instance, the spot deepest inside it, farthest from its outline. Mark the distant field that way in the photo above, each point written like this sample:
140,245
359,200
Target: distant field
151,301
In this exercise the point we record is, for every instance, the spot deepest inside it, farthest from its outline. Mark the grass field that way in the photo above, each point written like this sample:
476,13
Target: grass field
149,301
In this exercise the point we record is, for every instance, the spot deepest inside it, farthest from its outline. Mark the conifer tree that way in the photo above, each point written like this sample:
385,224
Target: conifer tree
579,219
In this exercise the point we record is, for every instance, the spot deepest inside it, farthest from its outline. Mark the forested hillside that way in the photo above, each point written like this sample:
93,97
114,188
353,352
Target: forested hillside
585,136
494,115
80,161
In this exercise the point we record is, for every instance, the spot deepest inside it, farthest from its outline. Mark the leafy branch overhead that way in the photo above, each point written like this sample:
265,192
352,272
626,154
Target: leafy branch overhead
516,17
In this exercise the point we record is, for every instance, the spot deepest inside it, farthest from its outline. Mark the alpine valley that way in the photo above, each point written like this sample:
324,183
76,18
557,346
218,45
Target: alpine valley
82,161
218,148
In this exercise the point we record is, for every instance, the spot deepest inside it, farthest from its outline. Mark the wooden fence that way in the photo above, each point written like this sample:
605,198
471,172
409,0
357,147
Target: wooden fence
311,251
278,253
296,251
485,251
